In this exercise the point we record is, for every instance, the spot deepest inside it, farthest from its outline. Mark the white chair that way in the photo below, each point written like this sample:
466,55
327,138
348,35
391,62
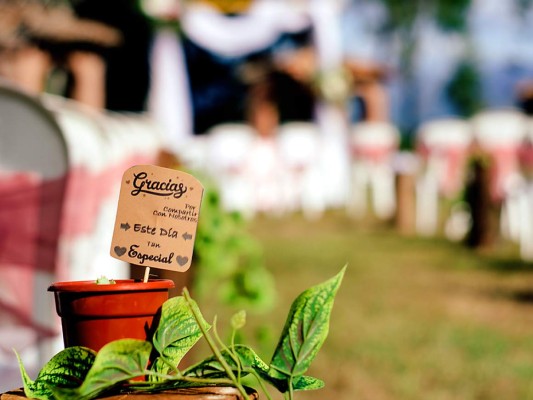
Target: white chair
443,145
299,146
517,207
266,177
193,153
373,145
526,226
228,149
526,244
500,133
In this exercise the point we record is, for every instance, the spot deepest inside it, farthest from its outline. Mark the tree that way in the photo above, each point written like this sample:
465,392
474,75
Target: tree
404,24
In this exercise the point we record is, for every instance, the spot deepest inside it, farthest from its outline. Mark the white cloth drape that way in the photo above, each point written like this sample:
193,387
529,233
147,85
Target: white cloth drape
169,98
239,35
229,36
335,160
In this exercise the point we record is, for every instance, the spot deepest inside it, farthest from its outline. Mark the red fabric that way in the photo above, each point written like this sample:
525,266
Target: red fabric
17,300
454,173
19,216
29,220
38,222
29,232
85,194
454,159
86,191
422,150
505,162
375,153
525,155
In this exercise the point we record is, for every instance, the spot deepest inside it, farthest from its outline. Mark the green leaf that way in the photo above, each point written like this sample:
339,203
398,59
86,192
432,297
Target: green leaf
211,368
67,369
177,332
249,358
305,330
238,320
307,383
116,362
29,385
207,368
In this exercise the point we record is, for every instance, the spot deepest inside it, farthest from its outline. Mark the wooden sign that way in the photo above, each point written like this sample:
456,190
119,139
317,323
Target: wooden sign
157,216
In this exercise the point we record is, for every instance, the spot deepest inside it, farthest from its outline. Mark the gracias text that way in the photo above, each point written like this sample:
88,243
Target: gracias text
156,188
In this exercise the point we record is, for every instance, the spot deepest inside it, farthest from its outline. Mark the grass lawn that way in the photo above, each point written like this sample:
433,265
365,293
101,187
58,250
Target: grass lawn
415,318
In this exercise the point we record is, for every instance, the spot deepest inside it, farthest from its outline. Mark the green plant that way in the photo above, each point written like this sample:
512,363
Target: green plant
80,373
405,25
229,262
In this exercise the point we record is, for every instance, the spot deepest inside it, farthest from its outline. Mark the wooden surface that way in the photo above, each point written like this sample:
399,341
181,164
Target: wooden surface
12,395
204,393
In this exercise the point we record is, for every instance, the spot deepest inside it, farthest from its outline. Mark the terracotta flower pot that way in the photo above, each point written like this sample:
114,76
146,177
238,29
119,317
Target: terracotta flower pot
93,315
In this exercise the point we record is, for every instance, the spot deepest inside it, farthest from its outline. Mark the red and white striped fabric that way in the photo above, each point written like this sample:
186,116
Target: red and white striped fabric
101,146
58,226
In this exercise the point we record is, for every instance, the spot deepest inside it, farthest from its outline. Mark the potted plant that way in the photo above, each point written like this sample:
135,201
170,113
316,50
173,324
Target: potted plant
94,313
81,373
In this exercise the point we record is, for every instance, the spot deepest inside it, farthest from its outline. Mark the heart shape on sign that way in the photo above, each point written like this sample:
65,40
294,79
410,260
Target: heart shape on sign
182,260
119,251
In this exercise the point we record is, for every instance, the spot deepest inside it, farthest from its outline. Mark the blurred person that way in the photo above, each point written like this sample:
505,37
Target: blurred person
294,75
127,77
38,40
217,93
369,90
218,38
262,109
276,96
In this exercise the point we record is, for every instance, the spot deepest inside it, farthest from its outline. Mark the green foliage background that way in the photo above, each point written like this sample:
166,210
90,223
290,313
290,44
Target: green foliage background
229,262
463,89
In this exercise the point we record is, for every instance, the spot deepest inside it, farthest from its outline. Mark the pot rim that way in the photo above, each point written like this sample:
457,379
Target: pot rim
121,285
